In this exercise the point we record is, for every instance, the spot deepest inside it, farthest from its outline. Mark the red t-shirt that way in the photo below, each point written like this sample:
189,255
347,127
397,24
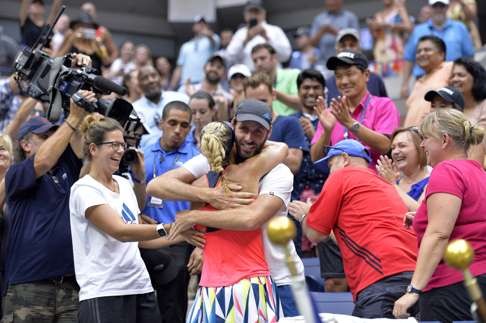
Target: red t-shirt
230,256
366,215
465,179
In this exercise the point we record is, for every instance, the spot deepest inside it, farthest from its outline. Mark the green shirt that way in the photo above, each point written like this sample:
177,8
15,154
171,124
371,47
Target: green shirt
286,82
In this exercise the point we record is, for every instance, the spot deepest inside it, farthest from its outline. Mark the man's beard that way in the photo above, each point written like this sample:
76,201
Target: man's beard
240,158
154,96
213,78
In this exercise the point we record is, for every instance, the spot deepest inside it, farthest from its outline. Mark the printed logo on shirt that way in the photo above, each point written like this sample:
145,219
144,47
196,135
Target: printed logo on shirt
127,215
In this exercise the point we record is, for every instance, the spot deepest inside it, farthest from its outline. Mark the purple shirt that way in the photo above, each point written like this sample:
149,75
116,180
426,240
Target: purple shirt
376,113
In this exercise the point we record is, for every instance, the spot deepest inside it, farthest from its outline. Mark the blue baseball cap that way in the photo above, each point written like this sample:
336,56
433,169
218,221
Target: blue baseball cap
347,146
36,125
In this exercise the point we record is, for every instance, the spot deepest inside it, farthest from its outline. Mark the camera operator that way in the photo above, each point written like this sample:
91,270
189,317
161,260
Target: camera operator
39,268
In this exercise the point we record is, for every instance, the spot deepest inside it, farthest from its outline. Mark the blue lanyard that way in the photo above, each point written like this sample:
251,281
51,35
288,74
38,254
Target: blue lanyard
362,115
161,160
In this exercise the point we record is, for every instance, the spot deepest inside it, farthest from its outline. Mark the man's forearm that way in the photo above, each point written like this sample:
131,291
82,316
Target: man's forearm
373,139
50,151
240,219
140,191
294,160
246,218
176,76
317,37
317,149
407,72
165,187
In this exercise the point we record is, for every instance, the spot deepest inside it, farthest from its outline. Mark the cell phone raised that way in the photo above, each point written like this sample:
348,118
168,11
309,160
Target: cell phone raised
252,22
89,33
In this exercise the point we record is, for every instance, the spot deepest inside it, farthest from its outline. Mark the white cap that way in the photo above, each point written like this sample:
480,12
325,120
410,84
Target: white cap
239,69
432,2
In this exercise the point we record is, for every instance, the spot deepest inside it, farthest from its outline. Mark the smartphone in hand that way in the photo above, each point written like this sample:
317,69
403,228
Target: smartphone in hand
252,22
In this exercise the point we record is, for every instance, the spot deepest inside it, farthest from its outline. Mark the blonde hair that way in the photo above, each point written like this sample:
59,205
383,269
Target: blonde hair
6,142
216,144
453,123
94,127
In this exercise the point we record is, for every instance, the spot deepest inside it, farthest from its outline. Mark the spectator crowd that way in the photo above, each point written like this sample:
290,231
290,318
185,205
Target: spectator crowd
242,128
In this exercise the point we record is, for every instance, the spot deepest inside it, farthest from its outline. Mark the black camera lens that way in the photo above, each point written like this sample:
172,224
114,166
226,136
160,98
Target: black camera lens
130,155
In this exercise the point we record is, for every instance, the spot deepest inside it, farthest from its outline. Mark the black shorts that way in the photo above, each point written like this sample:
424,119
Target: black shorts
330,260
140,308
378,299
449,303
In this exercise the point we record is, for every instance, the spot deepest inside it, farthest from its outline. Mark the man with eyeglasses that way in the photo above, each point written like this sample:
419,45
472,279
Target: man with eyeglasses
39,267
365,216
169,152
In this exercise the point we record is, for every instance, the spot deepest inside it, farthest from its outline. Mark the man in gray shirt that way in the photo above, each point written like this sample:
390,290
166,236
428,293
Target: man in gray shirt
326,26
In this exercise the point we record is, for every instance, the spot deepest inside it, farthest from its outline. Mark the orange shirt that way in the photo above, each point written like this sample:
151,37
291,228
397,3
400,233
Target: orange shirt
417,107
230,256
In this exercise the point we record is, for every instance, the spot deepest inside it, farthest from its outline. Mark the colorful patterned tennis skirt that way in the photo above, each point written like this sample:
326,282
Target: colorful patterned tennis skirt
252,300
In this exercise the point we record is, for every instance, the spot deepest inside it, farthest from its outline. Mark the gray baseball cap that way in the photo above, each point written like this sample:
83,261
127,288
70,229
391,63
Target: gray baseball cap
254,110
347,32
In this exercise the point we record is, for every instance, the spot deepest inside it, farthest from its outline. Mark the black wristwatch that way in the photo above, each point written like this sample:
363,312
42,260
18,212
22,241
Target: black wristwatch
161,230
413,290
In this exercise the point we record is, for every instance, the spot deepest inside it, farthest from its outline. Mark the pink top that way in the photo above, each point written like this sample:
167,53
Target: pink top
380,115
467,180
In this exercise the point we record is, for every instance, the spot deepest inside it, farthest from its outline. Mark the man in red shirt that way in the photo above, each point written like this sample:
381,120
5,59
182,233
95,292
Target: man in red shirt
365,214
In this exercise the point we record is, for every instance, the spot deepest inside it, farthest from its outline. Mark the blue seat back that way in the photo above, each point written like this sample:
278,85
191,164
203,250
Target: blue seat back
336,303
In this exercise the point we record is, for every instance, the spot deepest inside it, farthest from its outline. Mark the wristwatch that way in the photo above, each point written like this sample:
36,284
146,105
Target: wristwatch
413,290
161,230
355,127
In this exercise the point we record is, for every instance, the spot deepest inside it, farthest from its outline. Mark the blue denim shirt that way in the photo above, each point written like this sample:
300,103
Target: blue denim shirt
453,33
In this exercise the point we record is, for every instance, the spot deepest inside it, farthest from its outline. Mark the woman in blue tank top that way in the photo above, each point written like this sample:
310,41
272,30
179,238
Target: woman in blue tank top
407,170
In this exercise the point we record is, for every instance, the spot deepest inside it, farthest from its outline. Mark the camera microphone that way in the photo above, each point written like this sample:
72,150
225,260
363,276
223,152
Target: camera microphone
104,84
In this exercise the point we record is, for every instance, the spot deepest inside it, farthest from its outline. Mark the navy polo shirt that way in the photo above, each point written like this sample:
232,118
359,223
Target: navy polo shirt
289,131
39,242
157,162
307,177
